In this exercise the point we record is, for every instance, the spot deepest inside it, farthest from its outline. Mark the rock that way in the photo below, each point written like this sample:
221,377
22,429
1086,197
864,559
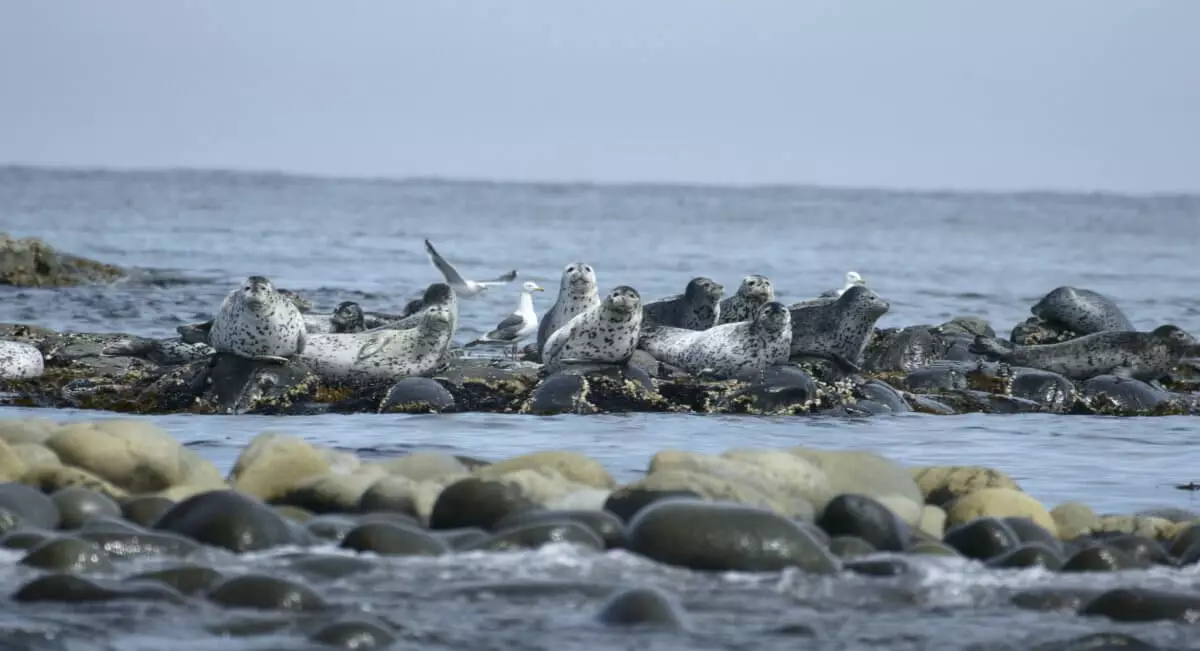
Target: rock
932,522
1026,555
145,510
1051,390
138,544
982,539
26,430
1143,550
416,395
30,262
49,479
272,463
999,503
460,539
1029,531
229,520
29,507
605,524
477,502
24,539
391,493
931,548
262,592
425,465
111,525
867,473
629,500
34,455
1144,605
571,466
68,554
237,385
1109,394
863,517
354,634
71,588
331,493
783,482
740,485
12,466
537,534
387,539
333,567
1074,519
76,505
725,537
850,547
1184,539
1148,526
878,566
1098,557
187,579
642,607
942,484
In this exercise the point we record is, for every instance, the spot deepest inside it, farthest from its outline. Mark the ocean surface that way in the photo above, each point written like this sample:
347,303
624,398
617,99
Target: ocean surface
934,256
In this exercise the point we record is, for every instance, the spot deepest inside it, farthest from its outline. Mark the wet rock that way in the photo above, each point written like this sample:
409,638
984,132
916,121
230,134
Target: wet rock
780,389
725,537
354,634
860,472
476,502
1109,394
1029,554
146,509
68,554
387,539
628,501
1051,390
459,539
1144,605
850,547
1148,526
931,548
1143,550
425,465
594,388
861,516
560,394
111,525
24,539
262,592
642,607
49,479
1074,519
229,520
1099,642
1063,600
783,482
72,588
571,466
982,538
416,395
272,463
1098,557
880,398
1034,331
186,579
999,503
30,262
28,507
238,385
605,524
482,385
331,493
537,534
331,527
903,349
1029,531
333,567
932,522
140,543
878,566
390,494
1186,539
77,505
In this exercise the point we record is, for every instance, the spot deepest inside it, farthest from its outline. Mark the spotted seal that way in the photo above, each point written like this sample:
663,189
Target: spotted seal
1081,311
258,323
1143,356
606,333
577,293
348,316
837,330
164,352
383,355
19,361
697,308
754,292
727,350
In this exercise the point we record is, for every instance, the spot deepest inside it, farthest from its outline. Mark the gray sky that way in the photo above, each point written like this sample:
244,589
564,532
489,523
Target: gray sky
1086,94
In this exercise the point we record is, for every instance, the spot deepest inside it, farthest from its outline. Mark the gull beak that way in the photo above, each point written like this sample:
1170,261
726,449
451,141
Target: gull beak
539,289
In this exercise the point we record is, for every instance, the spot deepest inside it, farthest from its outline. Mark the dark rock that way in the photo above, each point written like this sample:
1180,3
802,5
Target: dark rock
331,527
141,544
332,567
536,534
387,539
1030,554
1029,531
1143,550
242,386
416,395
1110,394
593,388
881,394
625,503
605,524
390,517
354,634
1063,600
725,537
30,506
1034,331
560,394
939,376
1099,642
77,504
475,502
229,520
861,516
778,389
68,554
30,262
24,539
1051,390
1144,605
145,510
187,579
380,497
931,548
111,525
850,547
72,588
1186,539
1099,557
982,538
642,607
924,404
902,349
878,566
262,592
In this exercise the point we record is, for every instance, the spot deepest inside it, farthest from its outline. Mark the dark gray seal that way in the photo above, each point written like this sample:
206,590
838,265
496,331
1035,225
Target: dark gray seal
347,317
1081,311
754,292
1141,355
577,293
839,329
728,350
256,322
697,308
606,333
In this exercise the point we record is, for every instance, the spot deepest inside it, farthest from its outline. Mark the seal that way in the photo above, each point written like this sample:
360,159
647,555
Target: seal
605,333
698,308
754,292
347,317
1143,356
837,330
257,323
1081,311
577,293
438,296
728,350
383,355
164,352
19,361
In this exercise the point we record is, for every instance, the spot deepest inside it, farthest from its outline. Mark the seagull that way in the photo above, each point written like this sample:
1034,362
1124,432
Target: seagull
463,287
852,279
516,326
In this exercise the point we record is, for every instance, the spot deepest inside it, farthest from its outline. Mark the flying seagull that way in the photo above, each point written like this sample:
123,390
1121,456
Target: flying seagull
517,326
463,287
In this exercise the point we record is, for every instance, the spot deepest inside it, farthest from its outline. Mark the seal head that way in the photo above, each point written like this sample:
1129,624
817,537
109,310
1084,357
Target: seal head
348,317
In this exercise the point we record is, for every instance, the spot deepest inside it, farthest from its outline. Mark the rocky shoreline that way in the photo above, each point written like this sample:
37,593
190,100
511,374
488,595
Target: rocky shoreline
79,502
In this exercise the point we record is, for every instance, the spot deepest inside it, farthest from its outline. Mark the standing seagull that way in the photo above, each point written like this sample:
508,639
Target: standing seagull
852,279
463,287
518,325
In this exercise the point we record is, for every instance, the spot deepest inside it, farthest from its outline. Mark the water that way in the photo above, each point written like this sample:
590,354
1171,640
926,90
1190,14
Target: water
932,255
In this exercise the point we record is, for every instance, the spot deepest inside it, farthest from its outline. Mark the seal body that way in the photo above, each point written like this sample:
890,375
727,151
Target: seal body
1141,355
438,297
383,355
606,333
256,322
19,361
1081,311
754,292
837,329
698,308
577,293
725,350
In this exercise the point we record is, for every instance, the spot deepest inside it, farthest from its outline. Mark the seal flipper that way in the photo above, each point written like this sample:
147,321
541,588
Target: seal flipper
989,347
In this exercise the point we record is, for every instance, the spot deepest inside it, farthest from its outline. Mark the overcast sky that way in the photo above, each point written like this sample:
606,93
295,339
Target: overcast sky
1084,94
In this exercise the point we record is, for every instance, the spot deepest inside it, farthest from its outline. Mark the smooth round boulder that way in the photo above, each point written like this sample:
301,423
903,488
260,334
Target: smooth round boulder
537,534
1026,555
1144,605
24,539
391,494
111,525
186,579
354,634
330,527
1185,539
559,394
649,607
878,566
458,539
145,510
605,524
229,520
416,395
332,567
1143,550
1098,557
29,506
865,518
850,547
982,538
68,554
77,504
625,503
724,536
141,544
389,539
475,502
262,592
72,588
